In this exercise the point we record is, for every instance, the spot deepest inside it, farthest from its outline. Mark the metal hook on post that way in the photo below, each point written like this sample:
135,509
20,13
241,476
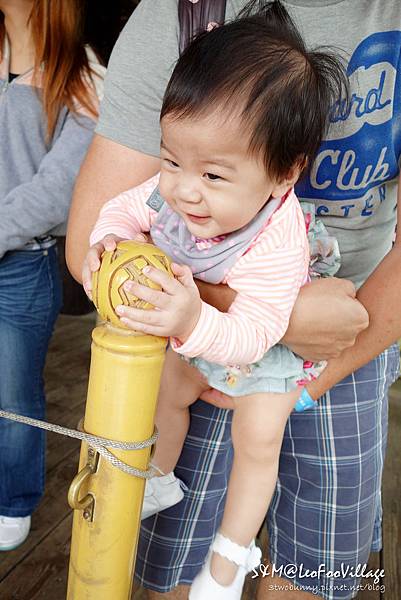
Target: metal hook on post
87,503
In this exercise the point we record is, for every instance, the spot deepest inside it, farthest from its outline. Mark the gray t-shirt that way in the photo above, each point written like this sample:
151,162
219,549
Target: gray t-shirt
353,181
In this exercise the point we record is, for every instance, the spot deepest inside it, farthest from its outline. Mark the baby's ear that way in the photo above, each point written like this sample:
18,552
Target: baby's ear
283,185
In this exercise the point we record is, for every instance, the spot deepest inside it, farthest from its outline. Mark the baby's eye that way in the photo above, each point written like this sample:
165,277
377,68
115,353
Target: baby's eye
212,176
171,163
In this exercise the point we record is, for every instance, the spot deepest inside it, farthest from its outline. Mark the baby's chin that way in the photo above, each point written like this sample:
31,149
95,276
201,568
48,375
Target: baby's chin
203,232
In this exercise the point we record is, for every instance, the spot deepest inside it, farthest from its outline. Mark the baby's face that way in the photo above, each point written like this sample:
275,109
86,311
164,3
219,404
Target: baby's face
209,177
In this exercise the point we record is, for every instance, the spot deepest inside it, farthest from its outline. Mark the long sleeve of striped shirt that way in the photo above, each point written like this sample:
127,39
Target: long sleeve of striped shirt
127,214
267,279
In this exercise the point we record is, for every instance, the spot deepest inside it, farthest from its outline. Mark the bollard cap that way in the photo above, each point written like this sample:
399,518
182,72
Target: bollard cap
125,263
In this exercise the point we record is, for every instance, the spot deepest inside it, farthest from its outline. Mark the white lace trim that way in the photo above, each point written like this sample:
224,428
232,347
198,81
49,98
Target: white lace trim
248,558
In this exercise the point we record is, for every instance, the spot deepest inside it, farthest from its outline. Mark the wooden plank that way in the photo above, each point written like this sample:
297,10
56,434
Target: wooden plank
249,592
58,446
67,365
139,594
68,359
43,574
52,510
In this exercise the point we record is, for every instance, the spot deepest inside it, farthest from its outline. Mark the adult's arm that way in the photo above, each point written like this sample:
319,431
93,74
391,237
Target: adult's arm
125,150
37,206
326,318
109,168
380,295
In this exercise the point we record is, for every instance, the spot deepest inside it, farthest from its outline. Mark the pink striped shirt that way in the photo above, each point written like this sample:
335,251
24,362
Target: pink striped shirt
267,279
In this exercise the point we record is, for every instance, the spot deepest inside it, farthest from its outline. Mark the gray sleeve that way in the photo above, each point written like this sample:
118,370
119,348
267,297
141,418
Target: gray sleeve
37,206
139,69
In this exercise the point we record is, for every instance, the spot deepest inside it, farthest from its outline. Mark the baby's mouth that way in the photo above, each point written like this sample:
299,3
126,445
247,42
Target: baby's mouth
197,218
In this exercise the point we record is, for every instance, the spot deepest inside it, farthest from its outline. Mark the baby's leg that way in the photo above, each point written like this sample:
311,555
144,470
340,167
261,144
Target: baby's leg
181,385
257,433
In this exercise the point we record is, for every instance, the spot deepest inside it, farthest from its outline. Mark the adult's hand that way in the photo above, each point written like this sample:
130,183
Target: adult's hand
326,319
218,295
218,399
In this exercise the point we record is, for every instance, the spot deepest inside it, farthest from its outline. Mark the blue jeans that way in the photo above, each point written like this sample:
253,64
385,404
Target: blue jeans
30,300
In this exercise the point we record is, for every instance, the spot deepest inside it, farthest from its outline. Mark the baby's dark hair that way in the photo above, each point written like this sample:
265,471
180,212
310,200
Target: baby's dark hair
259,64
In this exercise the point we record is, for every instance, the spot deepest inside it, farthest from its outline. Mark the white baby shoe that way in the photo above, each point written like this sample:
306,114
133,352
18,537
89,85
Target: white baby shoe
247,559
161,493
13,532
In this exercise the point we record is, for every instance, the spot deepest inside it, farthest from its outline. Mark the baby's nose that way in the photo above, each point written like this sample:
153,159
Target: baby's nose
188,192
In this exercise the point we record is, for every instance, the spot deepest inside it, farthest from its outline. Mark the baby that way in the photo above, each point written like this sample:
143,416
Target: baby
243,114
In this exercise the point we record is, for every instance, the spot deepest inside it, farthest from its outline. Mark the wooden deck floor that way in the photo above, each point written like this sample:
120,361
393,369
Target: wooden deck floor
38,569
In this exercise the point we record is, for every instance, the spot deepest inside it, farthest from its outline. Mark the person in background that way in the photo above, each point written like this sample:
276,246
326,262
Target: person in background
326,509
50,83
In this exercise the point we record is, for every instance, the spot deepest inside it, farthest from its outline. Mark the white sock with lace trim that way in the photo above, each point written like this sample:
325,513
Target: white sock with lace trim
246,558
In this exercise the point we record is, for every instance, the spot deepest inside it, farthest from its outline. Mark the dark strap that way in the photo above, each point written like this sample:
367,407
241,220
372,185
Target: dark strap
195,17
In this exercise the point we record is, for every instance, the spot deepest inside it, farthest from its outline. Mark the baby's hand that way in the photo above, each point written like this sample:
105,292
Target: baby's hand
177,306
92,259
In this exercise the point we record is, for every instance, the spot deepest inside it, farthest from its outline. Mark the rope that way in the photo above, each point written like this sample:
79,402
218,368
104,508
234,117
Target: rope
100,444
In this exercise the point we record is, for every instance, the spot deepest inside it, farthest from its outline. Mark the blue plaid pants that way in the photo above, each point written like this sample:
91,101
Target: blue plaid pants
325,516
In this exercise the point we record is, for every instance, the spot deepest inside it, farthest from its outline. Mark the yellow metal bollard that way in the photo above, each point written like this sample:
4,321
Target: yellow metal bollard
123,387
